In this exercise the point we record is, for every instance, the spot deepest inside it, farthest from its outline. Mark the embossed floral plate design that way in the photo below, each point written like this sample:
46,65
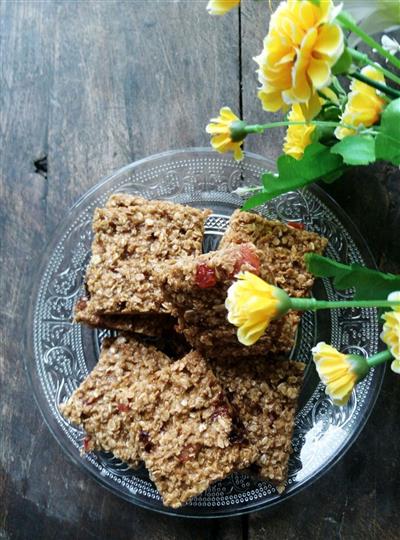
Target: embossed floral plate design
61,354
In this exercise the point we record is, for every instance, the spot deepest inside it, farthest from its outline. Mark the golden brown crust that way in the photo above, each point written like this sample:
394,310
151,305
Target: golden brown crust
132,236
174,416
154,325
190,432
264,394
105,403
286,247
201,312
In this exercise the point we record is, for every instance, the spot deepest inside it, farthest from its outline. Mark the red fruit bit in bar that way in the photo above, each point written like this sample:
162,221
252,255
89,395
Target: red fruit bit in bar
248,257
86,444
189,452
220,411
296,225
123,407
82,303
205,276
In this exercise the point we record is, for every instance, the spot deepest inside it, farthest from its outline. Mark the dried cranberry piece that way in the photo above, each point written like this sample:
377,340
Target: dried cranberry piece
123,407
91,400
220,411
82,303
248,257
205,276
86,444
296,225
272,416
188,452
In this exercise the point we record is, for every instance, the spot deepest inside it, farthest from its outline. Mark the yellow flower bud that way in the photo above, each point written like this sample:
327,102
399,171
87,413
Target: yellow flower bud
252,304
220,7
297,137
226,131
338,371
364,105
391,332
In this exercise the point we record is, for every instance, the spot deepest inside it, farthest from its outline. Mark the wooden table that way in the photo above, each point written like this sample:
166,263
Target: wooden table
87,87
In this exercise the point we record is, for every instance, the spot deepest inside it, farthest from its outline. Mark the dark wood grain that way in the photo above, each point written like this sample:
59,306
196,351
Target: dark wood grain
86,87
90,86
356,499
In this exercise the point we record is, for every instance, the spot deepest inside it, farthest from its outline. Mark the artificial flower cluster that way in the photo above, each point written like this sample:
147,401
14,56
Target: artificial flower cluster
329,128
253,303
304,52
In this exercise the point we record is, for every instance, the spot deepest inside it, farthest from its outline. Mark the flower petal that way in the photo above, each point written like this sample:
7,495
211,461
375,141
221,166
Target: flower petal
319,73
298,53
330,41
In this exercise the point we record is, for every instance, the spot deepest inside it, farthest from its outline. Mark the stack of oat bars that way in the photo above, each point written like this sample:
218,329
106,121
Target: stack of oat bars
194,405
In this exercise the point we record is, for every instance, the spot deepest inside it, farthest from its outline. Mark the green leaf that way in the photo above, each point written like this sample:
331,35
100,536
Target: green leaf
316,162
368,284
343,64
356,150
387,144
256,200
266,178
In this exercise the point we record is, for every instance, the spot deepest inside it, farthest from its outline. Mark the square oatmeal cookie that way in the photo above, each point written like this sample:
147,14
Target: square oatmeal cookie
264,394
196,288
104,404
132,237
189,434
286,247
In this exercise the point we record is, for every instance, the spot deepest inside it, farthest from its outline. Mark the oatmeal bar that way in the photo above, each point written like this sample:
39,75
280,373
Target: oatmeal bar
155,325
104,404
132,236
197,288
189,435
264,394
286,246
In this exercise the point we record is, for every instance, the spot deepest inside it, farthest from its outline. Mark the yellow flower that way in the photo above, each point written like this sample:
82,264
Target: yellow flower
297,137
252,304
391,332
220,7
221,133
338,371
364,105
299,51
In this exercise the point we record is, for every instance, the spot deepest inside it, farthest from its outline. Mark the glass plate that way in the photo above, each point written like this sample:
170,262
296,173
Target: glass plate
61,354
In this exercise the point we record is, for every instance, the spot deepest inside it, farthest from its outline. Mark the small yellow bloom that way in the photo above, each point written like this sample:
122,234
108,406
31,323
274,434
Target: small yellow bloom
297,137
364,105
299,51
221,134
220,7
338,371
391,332
252,304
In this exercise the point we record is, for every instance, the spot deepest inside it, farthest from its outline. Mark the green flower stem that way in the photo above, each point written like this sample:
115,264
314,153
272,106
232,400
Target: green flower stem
391,92
305,304
260,128
379,358
363,60
347,23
